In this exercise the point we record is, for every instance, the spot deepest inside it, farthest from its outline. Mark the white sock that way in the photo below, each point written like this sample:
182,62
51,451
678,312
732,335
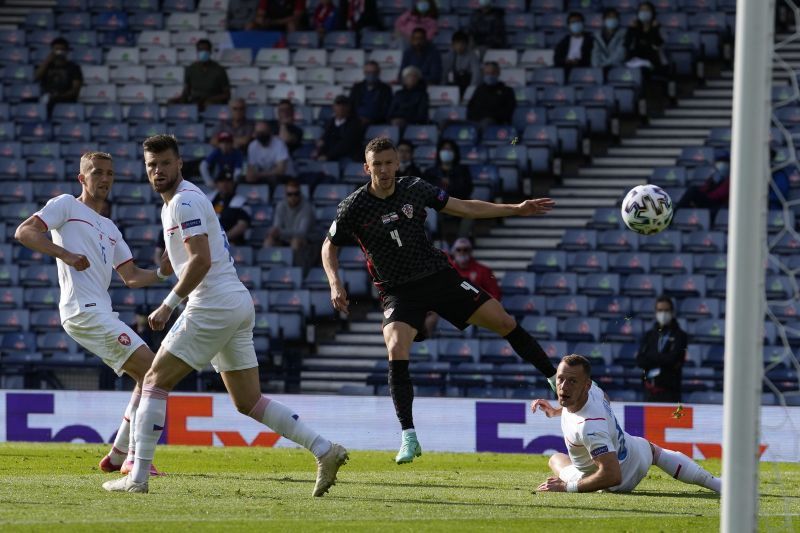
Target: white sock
124,439
684,469
410,431
150,419
286,423
132,441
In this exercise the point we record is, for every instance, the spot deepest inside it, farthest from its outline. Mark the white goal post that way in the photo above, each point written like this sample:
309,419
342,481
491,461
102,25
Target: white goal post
744,311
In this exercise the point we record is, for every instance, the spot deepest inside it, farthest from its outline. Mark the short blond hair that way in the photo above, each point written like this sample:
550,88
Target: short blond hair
91,156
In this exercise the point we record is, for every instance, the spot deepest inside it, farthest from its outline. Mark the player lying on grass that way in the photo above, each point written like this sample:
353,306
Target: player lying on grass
215,327
87,247
386,217
601,455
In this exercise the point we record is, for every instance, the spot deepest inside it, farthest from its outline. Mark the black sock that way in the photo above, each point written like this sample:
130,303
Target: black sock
402,392
530,350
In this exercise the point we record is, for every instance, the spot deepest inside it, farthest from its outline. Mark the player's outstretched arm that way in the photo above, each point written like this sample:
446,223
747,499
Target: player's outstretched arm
31,234
135,277
607,475
330,262
481,209
546,408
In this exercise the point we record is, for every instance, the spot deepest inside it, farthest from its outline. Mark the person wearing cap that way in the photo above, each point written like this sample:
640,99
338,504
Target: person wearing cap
60,79
231,208
342,136
223,160
470,269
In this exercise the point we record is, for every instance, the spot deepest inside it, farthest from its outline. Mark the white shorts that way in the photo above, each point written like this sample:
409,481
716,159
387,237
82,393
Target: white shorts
220,333
634,468
106,336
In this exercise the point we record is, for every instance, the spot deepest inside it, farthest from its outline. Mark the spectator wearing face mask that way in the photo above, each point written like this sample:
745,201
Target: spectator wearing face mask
643,41
60,79
661,355
608,49
493,101
487,25
422,14
461,65
371,98
451,176
205,81
574,49
405,155
268,158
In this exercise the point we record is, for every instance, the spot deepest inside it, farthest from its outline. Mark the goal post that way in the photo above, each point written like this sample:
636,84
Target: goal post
752,81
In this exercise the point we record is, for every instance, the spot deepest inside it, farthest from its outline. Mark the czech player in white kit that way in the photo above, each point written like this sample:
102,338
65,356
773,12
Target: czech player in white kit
601,455
216,326
87,247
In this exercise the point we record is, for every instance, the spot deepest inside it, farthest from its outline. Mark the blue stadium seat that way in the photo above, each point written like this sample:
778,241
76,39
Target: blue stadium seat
525,116
638,285
606,218
599,284
598,354
321,307
497,351
669,176
290,301
518,282
622,240
17,192
53,342
696,308
665,241
425,351
9,296
629,262
43,275
704,242
126,299
540,327
41,298
548,261
459,350
585,77
250,276
778,287
31,132
495,135
352,257
567,306
622,330
479,155
275,256
261,215
553,283
708,331
587,261
421,134
471,375
578,239
609,306
689,219
17,343
555,95
670,263
14,320
520,305
12,169
330,193
278,277
716,286
580,329
685,285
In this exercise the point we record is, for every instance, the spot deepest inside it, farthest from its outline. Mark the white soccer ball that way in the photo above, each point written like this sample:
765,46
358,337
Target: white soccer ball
647,209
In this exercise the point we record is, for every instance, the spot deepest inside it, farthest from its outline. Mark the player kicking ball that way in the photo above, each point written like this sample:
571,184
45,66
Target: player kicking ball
216,326
387,218
601,455
87,247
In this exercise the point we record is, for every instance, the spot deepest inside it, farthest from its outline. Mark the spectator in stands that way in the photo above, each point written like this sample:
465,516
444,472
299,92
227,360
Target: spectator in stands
240,13
238,126
609,43
224,160
323,19
575,48
713,194
289,132
661,355
423,54
450,175
644,43
61,79
493,102
357,15
279,15
341,139
230,207
205,81
405,155
461,65
487,25
294,220
268,158
410,104
371,98
422,14
470,269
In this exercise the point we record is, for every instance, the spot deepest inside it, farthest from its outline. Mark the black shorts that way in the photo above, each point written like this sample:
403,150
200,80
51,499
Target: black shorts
448,294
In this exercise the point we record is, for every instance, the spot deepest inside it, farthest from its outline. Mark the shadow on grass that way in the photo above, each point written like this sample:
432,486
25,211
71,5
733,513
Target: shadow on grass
666,494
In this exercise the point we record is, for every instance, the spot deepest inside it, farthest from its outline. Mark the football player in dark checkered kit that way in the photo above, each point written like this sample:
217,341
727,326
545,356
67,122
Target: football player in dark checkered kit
386,217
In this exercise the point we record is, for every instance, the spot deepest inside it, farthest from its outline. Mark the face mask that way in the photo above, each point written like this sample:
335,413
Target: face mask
264,138
576,27
645,16
203,55
447,156
372,79
60,53
611,23
422,7
490,80
484,3
663,318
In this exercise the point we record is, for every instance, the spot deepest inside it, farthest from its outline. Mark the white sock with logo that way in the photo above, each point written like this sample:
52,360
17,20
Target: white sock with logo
150,419
679,466
286,423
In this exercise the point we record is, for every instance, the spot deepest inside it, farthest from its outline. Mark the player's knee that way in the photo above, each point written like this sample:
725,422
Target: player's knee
506,324
244,407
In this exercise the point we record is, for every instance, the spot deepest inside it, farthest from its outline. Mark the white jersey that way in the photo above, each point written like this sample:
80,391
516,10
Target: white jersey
190,213
81,230
593,431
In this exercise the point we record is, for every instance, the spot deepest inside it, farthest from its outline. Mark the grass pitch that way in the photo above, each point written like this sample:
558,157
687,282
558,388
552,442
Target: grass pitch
57,486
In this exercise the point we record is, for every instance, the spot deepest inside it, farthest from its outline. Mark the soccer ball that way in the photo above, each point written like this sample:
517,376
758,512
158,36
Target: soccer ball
647,209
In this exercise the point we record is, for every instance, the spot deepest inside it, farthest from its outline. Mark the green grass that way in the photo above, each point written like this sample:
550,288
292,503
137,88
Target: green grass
47,486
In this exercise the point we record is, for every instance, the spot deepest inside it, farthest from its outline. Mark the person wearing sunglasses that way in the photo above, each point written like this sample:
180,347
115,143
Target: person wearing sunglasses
294,219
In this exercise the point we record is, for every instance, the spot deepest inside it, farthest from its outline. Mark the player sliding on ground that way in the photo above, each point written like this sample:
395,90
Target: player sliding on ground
216,326
87,247
387,218
601,455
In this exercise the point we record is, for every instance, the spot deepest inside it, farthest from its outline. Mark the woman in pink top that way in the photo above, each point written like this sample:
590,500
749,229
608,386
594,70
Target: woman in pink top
423,14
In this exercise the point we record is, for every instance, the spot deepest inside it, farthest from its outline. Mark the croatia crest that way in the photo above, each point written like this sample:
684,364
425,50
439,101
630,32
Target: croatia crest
408,210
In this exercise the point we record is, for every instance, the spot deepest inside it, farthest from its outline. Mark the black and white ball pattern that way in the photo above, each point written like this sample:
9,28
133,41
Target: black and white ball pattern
647,209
